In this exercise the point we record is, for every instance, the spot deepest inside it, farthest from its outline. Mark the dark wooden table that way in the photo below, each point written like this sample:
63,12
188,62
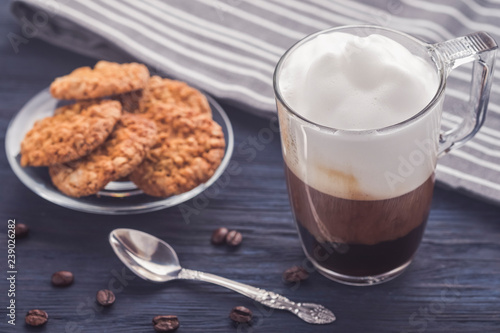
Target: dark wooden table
452,286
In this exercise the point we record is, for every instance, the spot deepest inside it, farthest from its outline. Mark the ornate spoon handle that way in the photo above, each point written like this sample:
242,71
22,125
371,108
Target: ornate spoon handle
309,312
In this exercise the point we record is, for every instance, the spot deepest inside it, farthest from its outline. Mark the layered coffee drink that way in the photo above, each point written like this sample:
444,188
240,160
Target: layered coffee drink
360,180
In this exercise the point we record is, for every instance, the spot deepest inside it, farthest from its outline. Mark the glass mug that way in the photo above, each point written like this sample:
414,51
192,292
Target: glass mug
359,239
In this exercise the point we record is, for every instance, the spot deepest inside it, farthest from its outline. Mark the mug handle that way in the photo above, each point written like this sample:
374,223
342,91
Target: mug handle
480,48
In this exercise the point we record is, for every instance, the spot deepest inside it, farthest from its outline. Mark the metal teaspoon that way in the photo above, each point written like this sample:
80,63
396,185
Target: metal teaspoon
153,259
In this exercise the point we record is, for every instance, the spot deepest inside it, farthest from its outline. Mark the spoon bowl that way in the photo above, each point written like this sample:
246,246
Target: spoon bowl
147,256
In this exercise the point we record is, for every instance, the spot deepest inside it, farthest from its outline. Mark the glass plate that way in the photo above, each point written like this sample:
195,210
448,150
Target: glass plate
118,197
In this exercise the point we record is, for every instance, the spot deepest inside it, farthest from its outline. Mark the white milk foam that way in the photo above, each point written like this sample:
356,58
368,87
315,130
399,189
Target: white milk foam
348,82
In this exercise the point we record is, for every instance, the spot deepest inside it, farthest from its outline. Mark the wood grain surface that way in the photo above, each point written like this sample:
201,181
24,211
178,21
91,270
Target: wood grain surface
452,286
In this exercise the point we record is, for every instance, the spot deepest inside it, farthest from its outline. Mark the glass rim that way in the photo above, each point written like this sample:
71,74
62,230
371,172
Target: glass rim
279,97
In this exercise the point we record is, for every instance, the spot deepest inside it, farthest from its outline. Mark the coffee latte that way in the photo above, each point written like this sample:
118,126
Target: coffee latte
360,119
360,188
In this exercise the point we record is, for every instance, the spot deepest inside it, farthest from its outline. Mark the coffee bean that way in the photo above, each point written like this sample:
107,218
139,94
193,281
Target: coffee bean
234,238
62,278
295,274
105,297
165,323
219,236
240,314
36,317
21,230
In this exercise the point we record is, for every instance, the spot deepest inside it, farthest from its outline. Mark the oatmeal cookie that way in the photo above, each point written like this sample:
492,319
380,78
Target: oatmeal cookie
70,134
188,150
125,148
107,78
171,92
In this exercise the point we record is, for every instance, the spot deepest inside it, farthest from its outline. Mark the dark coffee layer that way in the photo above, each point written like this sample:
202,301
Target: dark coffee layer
337,220
363,260
355,237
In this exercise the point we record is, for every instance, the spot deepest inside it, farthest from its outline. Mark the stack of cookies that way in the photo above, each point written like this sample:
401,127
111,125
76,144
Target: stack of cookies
158,133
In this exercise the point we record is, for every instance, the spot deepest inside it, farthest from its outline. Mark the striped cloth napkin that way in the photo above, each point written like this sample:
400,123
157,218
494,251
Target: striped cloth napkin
229,48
